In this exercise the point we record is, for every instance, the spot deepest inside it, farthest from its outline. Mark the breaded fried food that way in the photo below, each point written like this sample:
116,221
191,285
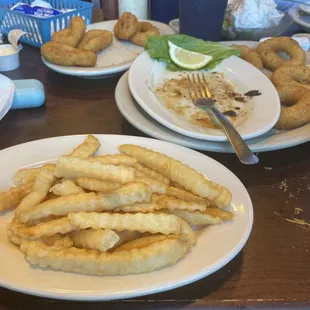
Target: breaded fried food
25,175
126,26
73,167
295,107
154,223
14,195
86,149
43,182
66,55
269,49
67,187
180,173
116,159
96,40
137,260
95,239
146,29
73,35
149,173
249,55
210,216
298,76
167,202
127,195
97,185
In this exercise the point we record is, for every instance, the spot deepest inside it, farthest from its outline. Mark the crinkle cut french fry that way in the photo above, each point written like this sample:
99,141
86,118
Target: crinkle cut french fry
15,236
127,195
149,173
145,241
117,159
153,223
88,148
195,218
97,185
146,259
124,237
43,182
184,195
143,207
95,239
179,173
224,215
66,188
14,195
53,227
172,203
72,168
25,175
156,186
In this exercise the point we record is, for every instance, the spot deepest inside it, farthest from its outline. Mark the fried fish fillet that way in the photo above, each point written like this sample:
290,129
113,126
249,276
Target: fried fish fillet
65,55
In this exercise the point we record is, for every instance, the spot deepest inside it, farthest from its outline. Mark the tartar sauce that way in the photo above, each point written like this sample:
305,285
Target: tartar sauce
6,50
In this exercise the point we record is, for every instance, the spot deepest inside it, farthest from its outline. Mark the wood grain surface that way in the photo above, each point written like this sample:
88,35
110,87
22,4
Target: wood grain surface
272,271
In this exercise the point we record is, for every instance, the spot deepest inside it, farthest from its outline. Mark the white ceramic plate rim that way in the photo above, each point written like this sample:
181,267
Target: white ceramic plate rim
239,192
7,102
93,72
147,101
139,119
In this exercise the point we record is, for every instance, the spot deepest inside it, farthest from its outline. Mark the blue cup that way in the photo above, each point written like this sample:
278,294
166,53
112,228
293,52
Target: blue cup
164,10
202,19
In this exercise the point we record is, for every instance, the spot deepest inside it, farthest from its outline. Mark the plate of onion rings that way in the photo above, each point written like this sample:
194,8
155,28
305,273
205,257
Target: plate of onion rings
274,139
117,51
114,222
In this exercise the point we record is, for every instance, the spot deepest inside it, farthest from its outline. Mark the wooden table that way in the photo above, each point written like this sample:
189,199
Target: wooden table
273,270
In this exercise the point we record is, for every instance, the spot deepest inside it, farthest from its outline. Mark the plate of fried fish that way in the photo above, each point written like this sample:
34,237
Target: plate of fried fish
108,217
101,49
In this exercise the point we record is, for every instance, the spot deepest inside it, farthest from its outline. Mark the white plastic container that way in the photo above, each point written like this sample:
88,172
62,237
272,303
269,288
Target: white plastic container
137,7
9,58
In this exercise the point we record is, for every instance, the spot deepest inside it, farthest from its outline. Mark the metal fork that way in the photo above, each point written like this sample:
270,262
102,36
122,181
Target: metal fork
202,98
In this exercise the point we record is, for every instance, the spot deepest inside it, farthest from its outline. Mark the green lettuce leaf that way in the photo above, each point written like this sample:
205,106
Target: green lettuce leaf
158,49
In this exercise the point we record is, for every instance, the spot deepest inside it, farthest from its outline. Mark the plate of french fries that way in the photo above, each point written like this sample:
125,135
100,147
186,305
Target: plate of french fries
109,217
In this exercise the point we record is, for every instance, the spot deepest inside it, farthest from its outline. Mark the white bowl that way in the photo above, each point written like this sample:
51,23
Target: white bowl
9,62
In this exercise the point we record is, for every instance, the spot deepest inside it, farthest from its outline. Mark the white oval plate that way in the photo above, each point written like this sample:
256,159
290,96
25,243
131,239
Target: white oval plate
216,246
264,110
116,58
272,140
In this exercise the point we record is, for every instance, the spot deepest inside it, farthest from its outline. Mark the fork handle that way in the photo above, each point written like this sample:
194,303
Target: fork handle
245,155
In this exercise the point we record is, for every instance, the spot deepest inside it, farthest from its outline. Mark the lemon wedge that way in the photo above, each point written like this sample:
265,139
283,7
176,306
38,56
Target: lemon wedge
187,59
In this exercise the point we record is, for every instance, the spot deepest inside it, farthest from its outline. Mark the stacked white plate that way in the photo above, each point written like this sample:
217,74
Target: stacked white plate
7,89
138,103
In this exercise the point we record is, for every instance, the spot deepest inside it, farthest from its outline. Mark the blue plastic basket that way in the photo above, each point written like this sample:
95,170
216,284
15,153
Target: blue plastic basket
41,29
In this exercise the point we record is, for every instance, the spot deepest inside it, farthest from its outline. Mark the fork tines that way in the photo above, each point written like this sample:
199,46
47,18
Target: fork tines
198,86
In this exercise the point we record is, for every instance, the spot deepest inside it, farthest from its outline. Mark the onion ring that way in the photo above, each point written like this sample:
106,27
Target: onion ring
249,55
96,40
65,55
292,76
146,29
126,26
295,110
268,52
72,35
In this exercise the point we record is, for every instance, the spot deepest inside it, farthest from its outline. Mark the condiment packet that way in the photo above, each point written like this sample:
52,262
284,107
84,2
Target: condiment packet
304,42
36,11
